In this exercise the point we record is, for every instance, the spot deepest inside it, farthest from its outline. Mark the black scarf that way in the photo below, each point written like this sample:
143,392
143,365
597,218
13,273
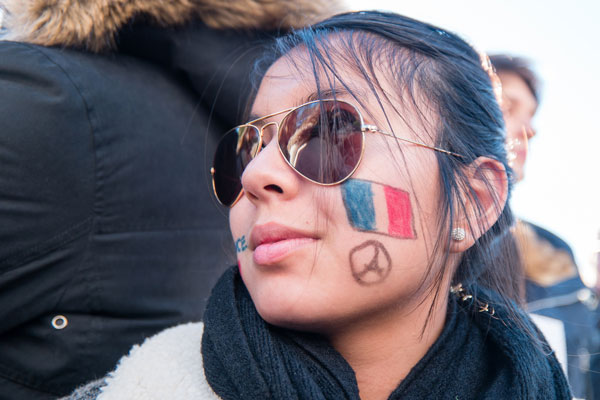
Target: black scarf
477,356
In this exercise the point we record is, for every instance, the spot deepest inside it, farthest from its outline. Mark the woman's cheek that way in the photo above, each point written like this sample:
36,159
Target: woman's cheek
239,223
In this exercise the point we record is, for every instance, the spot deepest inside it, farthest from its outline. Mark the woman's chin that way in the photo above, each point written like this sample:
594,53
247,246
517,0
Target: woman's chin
291,316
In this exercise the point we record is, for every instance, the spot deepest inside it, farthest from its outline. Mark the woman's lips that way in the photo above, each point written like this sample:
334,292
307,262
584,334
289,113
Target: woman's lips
272,242
270,253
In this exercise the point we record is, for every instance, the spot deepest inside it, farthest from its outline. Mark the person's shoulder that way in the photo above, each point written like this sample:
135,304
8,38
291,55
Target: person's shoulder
24,62
38,79
547,259
556,241
46,61
166,365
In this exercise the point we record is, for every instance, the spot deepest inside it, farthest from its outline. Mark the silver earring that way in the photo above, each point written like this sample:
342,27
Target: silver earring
458,234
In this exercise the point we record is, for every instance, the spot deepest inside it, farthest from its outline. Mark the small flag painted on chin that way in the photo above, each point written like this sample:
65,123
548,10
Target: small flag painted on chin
373,207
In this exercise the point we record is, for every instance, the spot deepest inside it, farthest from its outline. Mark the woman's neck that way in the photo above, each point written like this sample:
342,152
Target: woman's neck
383,350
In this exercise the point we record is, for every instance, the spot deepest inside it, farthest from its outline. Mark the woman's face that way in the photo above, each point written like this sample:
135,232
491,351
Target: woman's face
518,107
320,257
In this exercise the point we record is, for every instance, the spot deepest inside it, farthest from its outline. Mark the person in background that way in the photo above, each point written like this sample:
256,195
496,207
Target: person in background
109,112
553,287
595,360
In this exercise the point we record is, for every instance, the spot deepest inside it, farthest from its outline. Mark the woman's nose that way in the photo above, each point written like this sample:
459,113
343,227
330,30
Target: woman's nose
269,178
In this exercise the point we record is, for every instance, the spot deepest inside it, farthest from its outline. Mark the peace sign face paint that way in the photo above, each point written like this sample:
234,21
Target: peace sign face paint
370,262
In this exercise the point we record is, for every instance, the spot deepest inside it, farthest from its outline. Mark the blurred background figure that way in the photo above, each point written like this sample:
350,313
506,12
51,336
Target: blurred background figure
553,287
597,259
595,362
108,114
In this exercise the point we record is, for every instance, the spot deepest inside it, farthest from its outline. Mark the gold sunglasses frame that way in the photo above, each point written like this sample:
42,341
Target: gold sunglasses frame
363,128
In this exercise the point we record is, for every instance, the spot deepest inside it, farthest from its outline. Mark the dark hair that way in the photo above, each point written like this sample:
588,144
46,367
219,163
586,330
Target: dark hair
432,66
520,67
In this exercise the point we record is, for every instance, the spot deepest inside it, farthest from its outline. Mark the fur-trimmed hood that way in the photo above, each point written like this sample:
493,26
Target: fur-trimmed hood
93,24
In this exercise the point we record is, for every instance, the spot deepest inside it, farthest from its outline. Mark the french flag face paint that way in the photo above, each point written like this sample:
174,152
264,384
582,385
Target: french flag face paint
373,207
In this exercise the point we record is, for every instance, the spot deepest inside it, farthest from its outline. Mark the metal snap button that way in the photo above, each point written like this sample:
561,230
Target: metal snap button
60,322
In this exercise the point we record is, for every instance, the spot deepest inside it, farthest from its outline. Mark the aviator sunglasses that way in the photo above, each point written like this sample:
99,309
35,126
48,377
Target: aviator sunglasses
322,140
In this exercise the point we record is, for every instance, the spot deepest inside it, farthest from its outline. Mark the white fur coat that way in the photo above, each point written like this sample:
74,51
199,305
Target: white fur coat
166,366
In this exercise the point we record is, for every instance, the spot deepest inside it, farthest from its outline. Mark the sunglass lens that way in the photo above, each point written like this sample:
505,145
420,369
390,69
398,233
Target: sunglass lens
235,150
322,141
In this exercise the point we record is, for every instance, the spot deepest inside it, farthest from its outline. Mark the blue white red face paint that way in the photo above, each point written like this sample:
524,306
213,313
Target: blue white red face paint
377,208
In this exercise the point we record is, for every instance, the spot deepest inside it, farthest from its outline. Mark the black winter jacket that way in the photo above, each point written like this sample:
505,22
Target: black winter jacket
108,229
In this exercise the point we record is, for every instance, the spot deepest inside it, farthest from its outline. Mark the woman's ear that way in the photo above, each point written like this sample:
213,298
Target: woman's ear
483,199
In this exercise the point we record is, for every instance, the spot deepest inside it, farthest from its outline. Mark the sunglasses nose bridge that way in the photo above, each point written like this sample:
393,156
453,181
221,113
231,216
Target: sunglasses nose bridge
269,137
272,123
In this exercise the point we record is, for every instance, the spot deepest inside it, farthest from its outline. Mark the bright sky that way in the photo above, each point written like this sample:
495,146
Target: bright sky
561,189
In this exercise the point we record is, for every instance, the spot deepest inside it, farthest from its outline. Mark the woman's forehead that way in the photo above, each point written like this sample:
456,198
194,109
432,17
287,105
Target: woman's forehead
292,81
